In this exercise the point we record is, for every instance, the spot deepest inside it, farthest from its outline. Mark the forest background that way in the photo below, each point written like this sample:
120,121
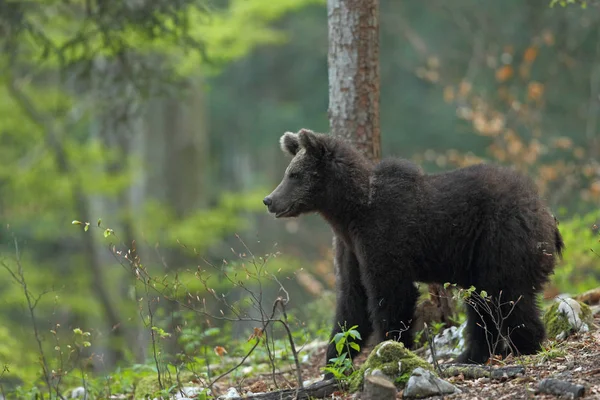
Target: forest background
157,123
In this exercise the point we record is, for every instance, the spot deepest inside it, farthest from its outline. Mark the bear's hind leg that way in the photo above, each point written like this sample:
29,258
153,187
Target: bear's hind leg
524,330
482,337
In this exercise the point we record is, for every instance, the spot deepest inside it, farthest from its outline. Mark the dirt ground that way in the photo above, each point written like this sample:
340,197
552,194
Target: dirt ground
576,360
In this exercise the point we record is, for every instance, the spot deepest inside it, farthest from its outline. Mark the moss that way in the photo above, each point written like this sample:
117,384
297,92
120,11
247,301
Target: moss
586,313
147,386
393,360
556,322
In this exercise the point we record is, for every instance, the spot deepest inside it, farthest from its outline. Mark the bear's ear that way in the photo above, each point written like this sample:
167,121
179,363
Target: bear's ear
289,143
311,142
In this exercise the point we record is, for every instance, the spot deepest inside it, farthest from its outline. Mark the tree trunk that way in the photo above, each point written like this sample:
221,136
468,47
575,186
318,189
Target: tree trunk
354,73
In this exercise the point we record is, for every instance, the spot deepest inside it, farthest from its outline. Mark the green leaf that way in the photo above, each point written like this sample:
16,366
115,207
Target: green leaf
355,346
338,336
355,334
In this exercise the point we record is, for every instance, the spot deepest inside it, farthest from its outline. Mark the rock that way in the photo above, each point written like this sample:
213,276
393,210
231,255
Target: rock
187,392
78,392
391,360
423,383
310,381
248,370
448,344
378,388
567,316
231,394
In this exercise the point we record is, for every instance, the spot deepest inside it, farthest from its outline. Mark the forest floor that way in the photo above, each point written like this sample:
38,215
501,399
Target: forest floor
576,360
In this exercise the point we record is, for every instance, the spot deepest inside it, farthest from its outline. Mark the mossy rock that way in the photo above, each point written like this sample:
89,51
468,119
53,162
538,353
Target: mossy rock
391,359
557,322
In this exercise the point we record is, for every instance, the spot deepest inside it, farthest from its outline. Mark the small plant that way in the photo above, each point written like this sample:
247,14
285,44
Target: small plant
341,365
493,313
551,351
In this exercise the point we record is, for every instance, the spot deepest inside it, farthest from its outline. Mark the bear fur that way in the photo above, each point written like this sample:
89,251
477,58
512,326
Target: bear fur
395,225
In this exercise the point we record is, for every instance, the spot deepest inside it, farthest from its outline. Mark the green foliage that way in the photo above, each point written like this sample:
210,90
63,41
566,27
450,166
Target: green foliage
205,226
187,33
17,358
341,365
580,269
564,3
551,351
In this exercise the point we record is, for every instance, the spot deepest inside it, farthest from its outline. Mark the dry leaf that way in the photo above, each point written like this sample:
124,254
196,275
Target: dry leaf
504,73
220,351
535,90
530,54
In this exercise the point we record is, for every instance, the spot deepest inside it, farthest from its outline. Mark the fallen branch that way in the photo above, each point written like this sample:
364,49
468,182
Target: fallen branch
470,371
560,388
317,390
590,297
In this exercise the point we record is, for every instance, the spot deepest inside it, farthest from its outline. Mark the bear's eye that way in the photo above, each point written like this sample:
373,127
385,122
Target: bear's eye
294,175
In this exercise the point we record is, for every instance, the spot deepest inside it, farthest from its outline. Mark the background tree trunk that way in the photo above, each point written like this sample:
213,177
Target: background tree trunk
353,60
354,73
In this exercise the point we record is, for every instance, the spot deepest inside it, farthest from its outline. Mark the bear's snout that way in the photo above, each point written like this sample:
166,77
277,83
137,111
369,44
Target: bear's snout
267,201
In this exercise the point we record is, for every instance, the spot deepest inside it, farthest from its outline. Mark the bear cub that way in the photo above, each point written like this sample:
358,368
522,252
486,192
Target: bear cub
395,225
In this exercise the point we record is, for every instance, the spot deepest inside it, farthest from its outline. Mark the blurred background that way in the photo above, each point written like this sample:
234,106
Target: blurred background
162,119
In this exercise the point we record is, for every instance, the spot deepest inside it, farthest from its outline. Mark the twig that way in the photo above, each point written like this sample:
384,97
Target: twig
292,345
429,339
19,277
247,354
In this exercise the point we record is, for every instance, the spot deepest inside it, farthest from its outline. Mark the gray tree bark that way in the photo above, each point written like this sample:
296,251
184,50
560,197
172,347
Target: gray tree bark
354,73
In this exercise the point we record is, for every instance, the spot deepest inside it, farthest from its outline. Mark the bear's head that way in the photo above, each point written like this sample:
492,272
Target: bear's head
304,184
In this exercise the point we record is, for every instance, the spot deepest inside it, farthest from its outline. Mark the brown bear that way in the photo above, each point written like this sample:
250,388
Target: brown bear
395,225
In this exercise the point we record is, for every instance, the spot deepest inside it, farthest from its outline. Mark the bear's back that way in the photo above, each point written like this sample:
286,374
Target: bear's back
395,179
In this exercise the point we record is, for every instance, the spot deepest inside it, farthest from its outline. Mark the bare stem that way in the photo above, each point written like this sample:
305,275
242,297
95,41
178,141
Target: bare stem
19,277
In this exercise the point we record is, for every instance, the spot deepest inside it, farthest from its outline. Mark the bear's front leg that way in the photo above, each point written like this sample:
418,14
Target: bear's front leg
351,300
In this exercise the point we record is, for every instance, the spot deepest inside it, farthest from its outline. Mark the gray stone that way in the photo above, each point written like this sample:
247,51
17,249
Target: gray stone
448,344
187,392
231,394
78,392
423,383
